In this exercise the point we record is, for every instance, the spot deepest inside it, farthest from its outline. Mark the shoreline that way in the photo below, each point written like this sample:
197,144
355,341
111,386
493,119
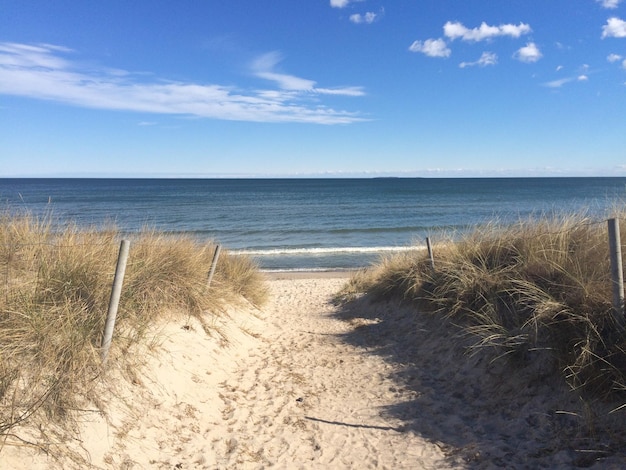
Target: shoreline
310,274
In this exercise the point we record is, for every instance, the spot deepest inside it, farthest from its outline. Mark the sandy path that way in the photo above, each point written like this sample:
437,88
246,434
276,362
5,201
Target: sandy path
286,391
302,384
306,399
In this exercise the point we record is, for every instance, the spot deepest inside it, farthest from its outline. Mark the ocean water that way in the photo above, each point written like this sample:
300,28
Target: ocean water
310,224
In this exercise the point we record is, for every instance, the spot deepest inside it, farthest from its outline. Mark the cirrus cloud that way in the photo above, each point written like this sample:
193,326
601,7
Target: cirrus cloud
559,83
42,72
264,65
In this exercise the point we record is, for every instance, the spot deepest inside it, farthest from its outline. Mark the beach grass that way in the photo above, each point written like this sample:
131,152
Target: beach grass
55,285
539,290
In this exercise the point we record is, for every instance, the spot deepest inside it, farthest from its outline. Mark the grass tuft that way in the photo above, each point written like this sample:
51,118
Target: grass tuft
55,284
541,285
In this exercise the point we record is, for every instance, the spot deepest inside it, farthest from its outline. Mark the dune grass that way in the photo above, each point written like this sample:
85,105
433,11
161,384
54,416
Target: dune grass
538,290
55,284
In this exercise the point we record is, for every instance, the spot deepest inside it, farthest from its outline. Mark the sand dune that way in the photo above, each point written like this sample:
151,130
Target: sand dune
304,384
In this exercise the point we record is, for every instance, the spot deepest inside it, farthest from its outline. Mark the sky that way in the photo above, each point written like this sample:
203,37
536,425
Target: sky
312,88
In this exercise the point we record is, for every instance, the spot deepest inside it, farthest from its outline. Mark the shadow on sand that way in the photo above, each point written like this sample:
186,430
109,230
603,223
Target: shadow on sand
482,413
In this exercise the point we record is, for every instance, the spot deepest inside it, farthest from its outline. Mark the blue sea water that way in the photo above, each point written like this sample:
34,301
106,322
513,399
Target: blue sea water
302,224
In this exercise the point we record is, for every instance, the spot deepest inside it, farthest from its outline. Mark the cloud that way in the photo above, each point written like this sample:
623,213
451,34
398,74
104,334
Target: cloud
563,81
367,18
263,68
431,47
487,58
457,30
529,53
614,28
42,72
610,4
614,58
264,65
342,3
558,83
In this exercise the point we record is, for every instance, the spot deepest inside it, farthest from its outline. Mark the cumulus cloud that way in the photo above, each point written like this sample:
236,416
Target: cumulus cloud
366,18
614,28
456,30
342,3
614,58
610,4
43,72
431,47
529,53
487,58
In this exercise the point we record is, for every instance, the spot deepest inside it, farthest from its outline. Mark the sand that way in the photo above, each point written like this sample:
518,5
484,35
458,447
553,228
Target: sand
302,383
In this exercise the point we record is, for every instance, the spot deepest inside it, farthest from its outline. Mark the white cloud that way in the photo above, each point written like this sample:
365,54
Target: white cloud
40,72
559,68
609,3
487,58
624,64
614,58
615,28
263,67
367,18
529,53
342,3
559,83
431,47
457,30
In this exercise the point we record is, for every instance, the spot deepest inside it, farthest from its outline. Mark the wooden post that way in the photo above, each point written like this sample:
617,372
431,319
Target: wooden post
216,255
617,276
116,292
430,253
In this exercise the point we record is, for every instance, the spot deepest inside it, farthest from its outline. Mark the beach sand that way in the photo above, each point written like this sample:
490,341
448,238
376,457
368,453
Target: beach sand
304,384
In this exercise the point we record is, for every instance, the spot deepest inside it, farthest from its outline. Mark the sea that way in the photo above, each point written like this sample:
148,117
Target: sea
310,224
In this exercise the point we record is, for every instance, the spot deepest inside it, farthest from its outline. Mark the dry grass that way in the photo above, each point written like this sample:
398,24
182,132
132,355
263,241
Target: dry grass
55,285
539,290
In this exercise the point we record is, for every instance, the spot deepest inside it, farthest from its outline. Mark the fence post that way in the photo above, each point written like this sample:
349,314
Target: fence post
216,255
617,276
430,253
116,292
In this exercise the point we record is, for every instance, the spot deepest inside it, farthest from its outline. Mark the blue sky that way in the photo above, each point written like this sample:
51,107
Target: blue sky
312,88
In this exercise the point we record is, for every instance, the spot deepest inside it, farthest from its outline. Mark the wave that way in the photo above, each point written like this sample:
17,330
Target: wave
325,251
308,270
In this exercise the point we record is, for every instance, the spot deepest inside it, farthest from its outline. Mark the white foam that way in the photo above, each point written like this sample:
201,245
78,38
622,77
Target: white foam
325,251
